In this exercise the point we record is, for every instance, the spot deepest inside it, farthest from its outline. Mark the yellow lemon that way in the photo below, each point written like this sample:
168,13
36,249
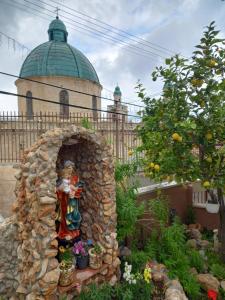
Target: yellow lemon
197,82
209,159
202,104
151,165
211,63
157,167
130,152
180,139
209,136
194,81
206,184
175,136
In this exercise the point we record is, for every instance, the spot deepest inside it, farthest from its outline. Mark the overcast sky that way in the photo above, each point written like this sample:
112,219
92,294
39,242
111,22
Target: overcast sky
174,25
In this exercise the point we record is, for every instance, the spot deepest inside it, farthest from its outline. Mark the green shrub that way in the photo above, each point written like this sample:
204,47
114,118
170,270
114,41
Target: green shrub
160,209
85,123
153,246
213,258
218,270
126,291
138,260
128,211
196,260
168,246
104,292
207,235
121,291
190,215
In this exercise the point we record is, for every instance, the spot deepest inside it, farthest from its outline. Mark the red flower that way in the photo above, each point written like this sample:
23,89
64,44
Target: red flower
212,295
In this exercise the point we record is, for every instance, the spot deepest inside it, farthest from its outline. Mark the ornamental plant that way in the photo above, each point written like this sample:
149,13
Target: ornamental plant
183,131
128,211
127,275
97,249
80,249
133,278
65,254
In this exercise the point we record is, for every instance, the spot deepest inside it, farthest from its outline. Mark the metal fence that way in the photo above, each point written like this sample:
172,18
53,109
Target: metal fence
17,132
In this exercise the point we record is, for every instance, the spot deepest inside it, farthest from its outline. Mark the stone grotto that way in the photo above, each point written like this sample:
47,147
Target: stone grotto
30,262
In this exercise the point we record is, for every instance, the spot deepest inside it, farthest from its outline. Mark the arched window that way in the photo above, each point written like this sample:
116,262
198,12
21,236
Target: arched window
64,99
94,106
29,106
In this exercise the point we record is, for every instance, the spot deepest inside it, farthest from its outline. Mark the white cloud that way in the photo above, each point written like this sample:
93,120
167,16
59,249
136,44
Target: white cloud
174,24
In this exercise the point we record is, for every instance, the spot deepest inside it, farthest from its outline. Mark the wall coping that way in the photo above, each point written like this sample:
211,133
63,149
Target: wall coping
153,187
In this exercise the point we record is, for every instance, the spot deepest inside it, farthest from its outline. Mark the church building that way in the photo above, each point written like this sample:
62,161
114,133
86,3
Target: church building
58,63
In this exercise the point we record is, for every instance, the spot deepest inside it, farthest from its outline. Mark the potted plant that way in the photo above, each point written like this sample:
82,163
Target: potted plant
80,249
66,254
95,256
66,272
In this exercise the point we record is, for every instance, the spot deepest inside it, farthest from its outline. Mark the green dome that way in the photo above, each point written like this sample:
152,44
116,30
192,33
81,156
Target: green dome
117,91
57,25
57,58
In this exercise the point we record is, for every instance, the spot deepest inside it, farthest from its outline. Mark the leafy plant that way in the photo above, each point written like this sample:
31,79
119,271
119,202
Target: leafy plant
128,211
97,249
167,245
159,207
183,131
138,259
218,270
196,260
190,216
140,290
85,123
213,258
121,291
65,254
207,235
93,292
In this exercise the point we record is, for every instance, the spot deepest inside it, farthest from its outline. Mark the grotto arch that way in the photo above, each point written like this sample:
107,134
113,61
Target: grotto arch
35,207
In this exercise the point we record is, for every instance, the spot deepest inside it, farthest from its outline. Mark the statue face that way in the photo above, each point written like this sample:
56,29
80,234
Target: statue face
68,172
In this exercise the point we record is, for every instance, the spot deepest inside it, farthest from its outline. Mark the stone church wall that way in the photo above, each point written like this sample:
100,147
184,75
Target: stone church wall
51,93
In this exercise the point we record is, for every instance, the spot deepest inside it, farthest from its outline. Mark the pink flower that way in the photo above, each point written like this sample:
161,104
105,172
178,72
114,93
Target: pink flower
80,249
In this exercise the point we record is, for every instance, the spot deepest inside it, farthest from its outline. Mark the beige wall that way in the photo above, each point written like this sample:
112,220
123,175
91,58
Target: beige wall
7,187
51,93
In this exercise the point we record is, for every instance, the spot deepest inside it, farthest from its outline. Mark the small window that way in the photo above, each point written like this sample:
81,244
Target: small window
29,106
94,107
64,99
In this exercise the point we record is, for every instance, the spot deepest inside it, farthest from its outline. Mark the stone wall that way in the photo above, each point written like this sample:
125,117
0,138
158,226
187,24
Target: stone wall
8,258
7,186
36,204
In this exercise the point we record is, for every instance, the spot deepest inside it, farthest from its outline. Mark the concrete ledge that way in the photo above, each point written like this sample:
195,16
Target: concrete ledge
155,187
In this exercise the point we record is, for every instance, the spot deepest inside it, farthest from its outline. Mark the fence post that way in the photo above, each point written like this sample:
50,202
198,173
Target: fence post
117,130
123,146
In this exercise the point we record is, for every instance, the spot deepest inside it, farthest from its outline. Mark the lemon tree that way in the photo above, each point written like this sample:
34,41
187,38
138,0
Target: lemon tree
183,131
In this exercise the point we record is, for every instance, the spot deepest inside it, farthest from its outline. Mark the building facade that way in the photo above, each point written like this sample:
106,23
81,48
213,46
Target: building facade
117,110
61,68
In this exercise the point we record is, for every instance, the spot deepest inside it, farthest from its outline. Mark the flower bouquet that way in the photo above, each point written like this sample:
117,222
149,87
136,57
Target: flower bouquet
80,250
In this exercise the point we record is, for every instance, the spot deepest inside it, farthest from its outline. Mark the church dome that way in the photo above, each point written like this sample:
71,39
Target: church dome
57,58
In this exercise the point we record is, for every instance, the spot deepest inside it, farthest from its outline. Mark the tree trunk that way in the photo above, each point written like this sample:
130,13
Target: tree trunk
222,223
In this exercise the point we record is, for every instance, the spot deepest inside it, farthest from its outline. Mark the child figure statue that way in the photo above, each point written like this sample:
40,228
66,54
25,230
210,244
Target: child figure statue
69,189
